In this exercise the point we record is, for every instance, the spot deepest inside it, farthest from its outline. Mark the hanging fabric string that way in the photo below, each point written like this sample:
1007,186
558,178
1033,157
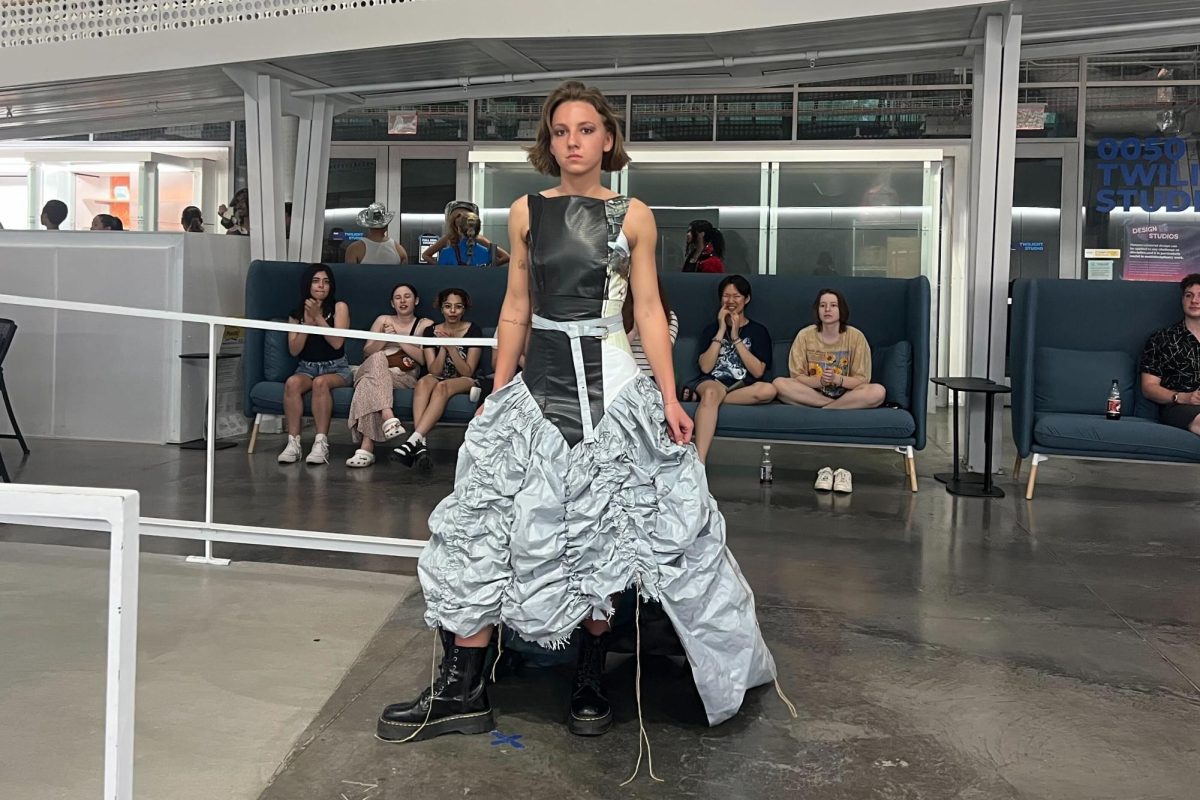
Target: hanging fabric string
642,735
432,682
499,650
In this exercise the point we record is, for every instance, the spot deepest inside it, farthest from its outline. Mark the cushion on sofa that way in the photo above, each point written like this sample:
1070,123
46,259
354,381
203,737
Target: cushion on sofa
1078,381
795,423
1131,437
278,363
892,366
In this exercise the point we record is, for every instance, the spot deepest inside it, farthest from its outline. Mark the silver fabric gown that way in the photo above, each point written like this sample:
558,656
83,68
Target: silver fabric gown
569,490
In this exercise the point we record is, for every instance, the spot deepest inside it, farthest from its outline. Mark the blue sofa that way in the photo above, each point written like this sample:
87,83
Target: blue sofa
1068,341
894,315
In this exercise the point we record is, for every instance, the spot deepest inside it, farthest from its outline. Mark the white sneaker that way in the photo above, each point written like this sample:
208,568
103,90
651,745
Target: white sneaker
291,454
824,480
319,453
842,482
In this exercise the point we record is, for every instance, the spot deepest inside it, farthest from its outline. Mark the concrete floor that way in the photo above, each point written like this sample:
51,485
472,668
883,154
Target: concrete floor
935,647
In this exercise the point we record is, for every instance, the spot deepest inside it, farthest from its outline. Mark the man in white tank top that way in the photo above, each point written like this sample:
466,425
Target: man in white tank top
375,247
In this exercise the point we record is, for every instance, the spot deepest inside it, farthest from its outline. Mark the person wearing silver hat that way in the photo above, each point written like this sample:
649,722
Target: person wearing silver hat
375,247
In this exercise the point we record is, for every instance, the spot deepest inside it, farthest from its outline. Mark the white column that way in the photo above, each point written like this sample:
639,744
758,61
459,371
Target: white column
264,153
993,156
311,180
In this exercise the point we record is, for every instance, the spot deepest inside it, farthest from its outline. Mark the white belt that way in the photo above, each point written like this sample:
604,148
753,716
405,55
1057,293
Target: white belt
597,328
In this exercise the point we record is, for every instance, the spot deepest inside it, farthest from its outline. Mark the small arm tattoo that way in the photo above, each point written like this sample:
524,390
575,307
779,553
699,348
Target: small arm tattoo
516,322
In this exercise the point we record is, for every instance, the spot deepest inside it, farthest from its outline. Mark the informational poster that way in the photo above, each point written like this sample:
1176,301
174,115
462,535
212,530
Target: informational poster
1161,252
402,123
426,240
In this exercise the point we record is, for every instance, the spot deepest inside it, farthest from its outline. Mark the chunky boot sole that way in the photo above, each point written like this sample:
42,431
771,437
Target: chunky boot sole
592,726
396,732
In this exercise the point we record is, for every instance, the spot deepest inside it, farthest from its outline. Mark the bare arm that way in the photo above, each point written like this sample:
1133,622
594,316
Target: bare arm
296,340
502,255
435,358
432,251
355,253
400,251
415,351
341,319
647,307
754,365
374,345
1155,392
513,328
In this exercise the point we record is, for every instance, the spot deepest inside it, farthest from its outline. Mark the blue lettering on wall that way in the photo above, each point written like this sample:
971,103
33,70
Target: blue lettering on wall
1146,174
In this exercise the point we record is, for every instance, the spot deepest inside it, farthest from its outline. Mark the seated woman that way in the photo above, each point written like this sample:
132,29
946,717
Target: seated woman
830,362
451,371
631,331
737,356
323,366
462,244
386,366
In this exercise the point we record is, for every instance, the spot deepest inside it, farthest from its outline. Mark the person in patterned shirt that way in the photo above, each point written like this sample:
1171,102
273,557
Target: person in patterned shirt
1170,364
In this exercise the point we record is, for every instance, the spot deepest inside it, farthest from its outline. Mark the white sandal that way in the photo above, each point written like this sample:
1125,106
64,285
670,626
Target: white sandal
392,428
361,458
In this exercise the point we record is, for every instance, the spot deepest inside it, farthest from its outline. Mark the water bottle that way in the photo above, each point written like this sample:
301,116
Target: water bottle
766,473
1114,400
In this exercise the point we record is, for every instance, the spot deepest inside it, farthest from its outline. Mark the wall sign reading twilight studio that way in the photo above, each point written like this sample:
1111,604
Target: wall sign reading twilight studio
1146,175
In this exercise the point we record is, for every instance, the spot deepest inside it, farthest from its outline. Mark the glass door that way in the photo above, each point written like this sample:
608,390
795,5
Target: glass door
421,182
414,182
1045,227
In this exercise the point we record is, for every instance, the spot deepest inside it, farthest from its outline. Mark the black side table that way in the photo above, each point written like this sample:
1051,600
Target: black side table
202,443
972,484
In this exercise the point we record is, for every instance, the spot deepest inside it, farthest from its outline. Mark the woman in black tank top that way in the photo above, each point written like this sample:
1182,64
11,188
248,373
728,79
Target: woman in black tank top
322,363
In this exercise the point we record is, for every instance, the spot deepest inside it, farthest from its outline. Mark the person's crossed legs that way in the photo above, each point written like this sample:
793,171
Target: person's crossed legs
712,395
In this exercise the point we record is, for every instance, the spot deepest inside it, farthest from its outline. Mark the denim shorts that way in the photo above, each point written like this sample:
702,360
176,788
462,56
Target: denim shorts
339,366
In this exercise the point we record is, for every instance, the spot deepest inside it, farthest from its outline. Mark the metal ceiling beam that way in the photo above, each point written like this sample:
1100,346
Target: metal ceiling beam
1110,30
1116,44
701,83
813,55
69,126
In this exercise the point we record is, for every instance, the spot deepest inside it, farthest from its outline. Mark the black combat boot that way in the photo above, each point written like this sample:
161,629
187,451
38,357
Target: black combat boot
591,714
458,696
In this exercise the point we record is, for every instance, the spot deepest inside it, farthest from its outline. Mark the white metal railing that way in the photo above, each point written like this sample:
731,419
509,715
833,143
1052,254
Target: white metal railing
209,531
115,511
31,22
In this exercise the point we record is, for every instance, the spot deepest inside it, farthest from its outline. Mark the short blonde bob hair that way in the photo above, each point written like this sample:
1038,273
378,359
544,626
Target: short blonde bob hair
539,154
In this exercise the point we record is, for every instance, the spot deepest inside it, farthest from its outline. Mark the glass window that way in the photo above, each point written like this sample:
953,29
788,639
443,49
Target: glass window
441,122
204,132
751,117
1060,108
672,118
351,189
885,115
727,195
1181,64
1050,70
1142,152
852,219
502,183
426,186
515,119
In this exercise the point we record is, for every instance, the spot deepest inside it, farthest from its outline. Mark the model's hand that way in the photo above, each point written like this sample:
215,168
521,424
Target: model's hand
1190,399
679,424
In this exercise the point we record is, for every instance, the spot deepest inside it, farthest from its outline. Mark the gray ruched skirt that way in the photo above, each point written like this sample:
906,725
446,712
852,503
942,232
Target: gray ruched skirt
538,535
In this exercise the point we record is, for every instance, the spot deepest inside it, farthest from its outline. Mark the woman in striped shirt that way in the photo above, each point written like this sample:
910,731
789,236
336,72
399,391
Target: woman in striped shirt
631,333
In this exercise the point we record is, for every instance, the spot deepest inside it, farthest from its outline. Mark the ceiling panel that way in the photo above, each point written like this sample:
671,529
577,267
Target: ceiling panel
425,61
1051,15
176,87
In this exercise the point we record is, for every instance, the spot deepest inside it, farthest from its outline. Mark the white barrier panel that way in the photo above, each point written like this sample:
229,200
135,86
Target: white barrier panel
115,511
208,531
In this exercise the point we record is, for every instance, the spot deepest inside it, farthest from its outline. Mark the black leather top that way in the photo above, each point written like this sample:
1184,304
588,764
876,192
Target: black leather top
568,257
